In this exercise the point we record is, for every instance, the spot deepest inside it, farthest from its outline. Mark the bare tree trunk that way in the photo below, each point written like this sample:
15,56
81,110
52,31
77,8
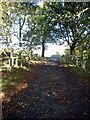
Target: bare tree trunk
43,48
20,44
11,51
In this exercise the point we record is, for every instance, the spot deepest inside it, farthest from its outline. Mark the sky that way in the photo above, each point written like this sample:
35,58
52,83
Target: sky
53,49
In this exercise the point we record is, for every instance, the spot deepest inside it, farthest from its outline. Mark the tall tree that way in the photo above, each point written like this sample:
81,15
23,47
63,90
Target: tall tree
6,30
44,26
21,12
69,20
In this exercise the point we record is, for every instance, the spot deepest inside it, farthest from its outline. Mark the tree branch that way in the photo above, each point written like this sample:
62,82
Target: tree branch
23,22
63,35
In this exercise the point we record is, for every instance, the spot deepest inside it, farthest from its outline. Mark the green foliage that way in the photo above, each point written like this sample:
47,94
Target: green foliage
62,61
38,58
82,73
72,22
48,23
88,62
10,79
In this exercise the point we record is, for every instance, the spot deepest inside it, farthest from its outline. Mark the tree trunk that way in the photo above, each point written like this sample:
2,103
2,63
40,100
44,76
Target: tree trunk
72,58
19,32
71,50
20,45
43,48
11,51
11,58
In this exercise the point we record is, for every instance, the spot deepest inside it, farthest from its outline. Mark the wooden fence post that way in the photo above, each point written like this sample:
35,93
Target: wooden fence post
16,61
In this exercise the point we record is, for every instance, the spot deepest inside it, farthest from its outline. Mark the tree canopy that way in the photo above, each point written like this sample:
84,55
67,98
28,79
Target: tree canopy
50,22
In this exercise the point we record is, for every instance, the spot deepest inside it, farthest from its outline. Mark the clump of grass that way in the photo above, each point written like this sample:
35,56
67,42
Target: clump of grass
11,78
82,73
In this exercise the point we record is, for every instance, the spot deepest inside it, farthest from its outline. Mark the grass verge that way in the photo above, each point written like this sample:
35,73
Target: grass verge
11,78
82,73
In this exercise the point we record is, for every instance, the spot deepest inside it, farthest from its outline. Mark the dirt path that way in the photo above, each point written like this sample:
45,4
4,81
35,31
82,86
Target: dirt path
54,93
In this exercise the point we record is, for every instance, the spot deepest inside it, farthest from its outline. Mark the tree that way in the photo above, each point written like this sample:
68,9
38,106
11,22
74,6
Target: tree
21,10
6,30
70,22
39,26
43,26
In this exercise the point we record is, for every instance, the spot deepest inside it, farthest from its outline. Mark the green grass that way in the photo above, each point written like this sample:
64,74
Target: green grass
11,78
79,71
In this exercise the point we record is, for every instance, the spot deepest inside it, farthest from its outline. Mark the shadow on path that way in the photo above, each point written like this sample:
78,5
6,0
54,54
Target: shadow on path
54,93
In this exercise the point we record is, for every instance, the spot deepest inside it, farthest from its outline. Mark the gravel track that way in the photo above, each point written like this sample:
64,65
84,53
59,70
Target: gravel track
54,93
